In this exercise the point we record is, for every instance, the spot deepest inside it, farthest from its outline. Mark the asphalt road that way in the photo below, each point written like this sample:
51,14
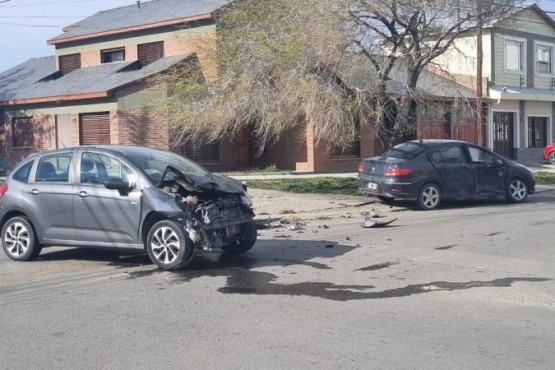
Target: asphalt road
469,286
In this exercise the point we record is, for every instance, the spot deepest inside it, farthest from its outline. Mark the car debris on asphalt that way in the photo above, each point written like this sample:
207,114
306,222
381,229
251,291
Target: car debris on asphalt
374,219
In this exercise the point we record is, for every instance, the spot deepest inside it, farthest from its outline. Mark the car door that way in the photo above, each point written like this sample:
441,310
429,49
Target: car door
48,196
452,165
103,215
489,171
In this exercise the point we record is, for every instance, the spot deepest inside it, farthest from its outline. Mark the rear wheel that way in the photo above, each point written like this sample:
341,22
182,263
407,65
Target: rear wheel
248,238
19,240
517,191
429,197
168,246
552,157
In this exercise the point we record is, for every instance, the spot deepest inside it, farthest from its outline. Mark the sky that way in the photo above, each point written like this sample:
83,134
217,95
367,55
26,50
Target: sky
26,25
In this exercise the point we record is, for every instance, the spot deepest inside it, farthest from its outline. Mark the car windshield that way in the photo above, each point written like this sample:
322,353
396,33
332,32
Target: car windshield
154,162
407,150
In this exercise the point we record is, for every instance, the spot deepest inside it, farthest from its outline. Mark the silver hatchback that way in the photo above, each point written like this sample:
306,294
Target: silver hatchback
126,197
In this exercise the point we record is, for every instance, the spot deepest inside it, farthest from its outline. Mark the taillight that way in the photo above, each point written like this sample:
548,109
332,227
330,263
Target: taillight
396,172
361,167
3,189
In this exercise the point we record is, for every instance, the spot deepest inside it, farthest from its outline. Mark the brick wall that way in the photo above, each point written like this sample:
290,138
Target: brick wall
290,150
90,58
201,43
44,137
137,127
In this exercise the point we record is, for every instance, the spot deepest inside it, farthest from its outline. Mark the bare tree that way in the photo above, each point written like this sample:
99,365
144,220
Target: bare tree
411,34
282,62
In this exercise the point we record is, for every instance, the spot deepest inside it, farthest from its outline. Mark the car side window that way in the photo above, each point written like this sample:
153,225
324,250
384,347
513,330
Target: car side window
98,168
53,168
449,154
480,156
22,174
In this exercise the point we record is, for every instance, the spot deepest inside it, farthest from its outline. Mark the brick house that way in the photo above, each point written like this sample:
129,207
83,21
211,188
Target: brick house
92,91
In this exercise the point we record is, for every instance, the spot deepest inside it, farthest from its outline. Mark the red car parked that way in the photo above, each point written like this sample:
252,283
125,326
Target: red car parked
549,153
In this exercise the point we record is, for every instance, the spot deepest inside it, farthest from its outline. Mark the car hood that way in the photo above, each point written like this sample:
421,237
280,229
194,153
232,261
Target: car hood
213,183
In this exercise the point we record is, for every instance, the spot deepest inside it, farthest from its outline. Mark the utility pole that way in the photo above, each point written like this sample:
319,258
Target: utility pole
479,92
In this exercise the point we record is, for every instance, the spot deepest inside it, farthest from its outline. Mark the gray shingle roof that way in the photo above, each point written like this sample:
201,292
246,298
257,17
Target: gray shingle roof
30,80
149,12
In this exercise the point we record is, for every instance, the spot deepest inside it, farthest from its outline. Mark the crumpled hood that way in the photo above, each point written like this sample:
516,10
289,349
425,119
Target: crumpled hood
214,183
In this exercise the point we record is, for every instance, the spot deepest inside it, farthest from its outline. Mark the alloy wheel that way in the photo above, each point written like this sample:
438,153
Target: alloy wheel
17,239
165,245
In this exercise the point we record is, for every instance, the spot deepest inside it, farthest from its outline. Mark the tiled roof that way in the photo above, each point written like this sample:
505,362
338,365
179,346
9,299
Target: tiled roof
38,78
149,12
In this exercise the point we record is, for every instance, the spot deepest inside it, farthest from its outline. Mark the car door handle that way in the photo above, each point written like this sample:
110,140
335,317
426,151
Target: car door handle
34,192
83,194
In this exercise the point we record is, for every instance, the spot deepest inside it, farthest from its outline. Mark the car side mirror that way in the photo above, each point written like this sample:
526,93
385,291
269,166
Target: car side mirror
499,162
116,183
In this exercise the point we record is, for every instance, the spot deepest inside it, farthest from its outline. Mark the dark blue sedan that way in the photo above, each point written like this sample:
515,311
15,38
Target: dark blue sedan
429,171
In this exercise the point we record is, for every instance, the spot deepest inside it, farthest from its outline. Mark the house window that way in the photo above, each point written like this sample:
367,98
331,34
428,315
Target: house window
94,128
148,53
112,55
201,152
514,55
22,132
69,63
537,132
544,59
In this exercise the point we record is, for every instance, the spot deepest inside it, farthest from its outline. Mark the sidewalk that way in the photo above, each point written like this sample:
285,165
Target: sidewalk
536,166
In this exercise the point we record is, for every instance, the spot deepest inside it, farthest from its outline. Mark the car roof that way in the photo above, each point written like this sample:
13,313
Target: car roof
434,142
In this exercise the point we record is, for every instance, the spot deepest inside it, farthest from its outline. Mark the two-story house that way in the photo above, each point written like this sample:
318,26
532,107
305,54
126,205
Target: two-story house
92,90
518,79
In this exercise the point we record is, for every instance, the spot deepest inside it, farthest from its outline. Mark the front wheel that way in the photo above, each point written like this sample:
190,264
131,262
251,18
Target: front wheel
247,240
429,197
19,240
552,157
168,246
517,191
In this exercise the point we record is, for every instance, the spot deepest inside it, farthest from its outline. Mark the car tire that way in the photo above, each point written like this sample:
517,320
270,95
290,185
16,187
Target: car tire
168,246
517,190
19,240
551,157
386,200
248,238
429,197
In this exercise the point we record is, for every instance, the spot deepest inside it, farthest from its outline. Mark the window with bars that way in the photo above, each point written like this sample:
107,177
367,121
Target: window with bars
112,55
69,63
22,132
148,53
201,152
537,132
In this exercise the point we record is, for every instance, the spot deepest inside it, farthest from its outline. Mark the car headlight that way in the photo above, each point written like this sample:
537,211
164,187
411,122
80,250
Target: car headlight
246,200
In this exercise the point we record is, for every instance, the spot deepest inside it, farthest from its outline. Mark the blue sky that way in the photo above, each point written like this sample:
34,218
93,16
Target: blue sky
26,25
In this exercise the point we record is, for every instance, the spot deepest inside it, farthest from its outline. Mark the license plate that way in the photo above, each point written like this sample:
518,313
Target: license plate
372,186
